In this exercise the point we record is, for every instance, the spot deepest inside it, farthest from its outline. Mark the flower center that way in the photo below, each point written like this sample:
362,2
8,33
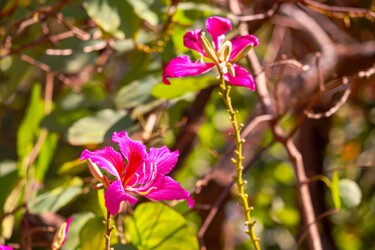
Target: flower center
143,182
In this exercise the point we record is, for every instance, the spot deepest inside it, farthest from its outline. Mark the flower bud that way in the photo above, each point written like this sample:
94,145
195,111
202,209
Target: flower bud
95,171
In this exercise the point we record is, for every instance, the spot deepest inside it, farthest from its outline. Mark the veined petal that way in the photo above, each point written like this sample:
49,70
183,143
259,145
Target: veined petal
218,27
133,151
192,41
106,158
165,188
182,66
241,78
114,195
163,158
240,43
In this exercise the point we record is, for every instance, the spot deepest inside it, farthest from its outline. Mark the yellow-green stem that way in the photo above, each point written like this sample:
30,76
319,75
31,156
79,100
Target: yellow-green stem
108,230
237,161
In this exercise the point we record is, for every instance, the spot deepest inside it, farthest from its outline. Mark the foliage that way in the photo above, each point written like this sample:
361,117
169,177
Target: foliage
74,72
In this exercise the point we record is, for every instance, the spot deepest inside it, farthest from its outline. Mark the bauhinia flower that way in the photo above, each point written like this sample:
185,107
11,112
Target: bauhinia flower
2,247
61,235
222,55
142,173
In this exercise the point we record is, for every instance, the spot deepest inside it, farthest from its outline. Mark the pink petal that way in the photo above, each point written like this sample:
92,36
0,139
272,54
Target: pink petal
182,66
114,195
192,41
133,151
2,247
68,221
165,188
241,78
241,42
218,27
106,158
163,158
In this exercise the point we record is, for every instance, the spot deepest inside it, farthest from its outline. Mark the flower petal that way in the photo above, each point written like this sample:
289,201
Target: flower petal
106,158
163,158
218,27
68,221
241,78
114,195
182,66
134,152
193,41
239,43
2,247
165,188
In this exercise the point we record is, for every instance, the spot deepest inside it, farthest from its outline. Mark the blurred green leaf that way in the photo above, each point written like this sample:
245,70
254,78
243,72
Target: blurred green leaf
335,189
78,222
135,93
94,129
124,247
45,156
182,86
116,17
29,128
350,193
142,9
156,226
72,167
92,234
55,199
8,178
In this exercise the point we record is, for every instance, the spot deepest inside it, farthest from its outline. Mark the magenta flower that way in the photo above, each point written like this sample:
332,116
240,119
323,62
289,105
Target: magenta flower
222,54
2,247
61,235
141,173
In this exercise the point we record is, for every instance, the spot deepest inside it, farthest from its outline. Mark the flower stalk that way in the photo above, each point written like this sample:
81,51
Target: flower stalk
237,160
108,231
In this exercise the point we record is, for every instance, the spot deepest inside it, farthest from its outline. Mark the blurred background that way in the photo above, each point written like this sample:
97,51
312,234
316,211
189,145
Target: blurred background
72,72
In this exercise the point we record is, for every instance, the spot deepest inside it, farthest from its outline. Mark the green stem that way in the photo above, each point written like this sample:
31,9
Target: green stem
108,231
237,161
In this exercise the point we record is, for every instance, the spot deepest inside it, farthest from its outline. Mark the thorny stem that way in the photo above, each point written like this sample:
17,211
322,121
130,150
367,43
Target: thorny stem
237,161
108,231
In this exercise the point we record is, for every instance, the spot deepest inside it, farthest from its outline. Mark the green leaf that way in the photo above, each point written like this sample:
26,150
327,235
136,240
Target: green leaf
142,9
55,199
115,17
124,247
156,226
182,86
78,222
45,156
95,129
335,190
92,234
8,179
136,93
29,128
350,193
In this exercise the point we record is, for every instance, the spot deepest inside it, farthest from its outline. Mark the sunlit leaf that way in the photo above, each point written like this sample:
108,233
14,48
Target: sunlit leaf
55,199
94,129
350,193
29,128
182,86
78,221
135,93
92,234
116,17
156,226
45,156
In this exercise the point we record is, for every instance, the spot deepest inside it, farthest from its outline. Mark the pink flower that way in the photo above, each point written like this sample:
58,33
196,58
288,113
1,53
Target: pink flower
142,173
61,235
2,247
222,54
